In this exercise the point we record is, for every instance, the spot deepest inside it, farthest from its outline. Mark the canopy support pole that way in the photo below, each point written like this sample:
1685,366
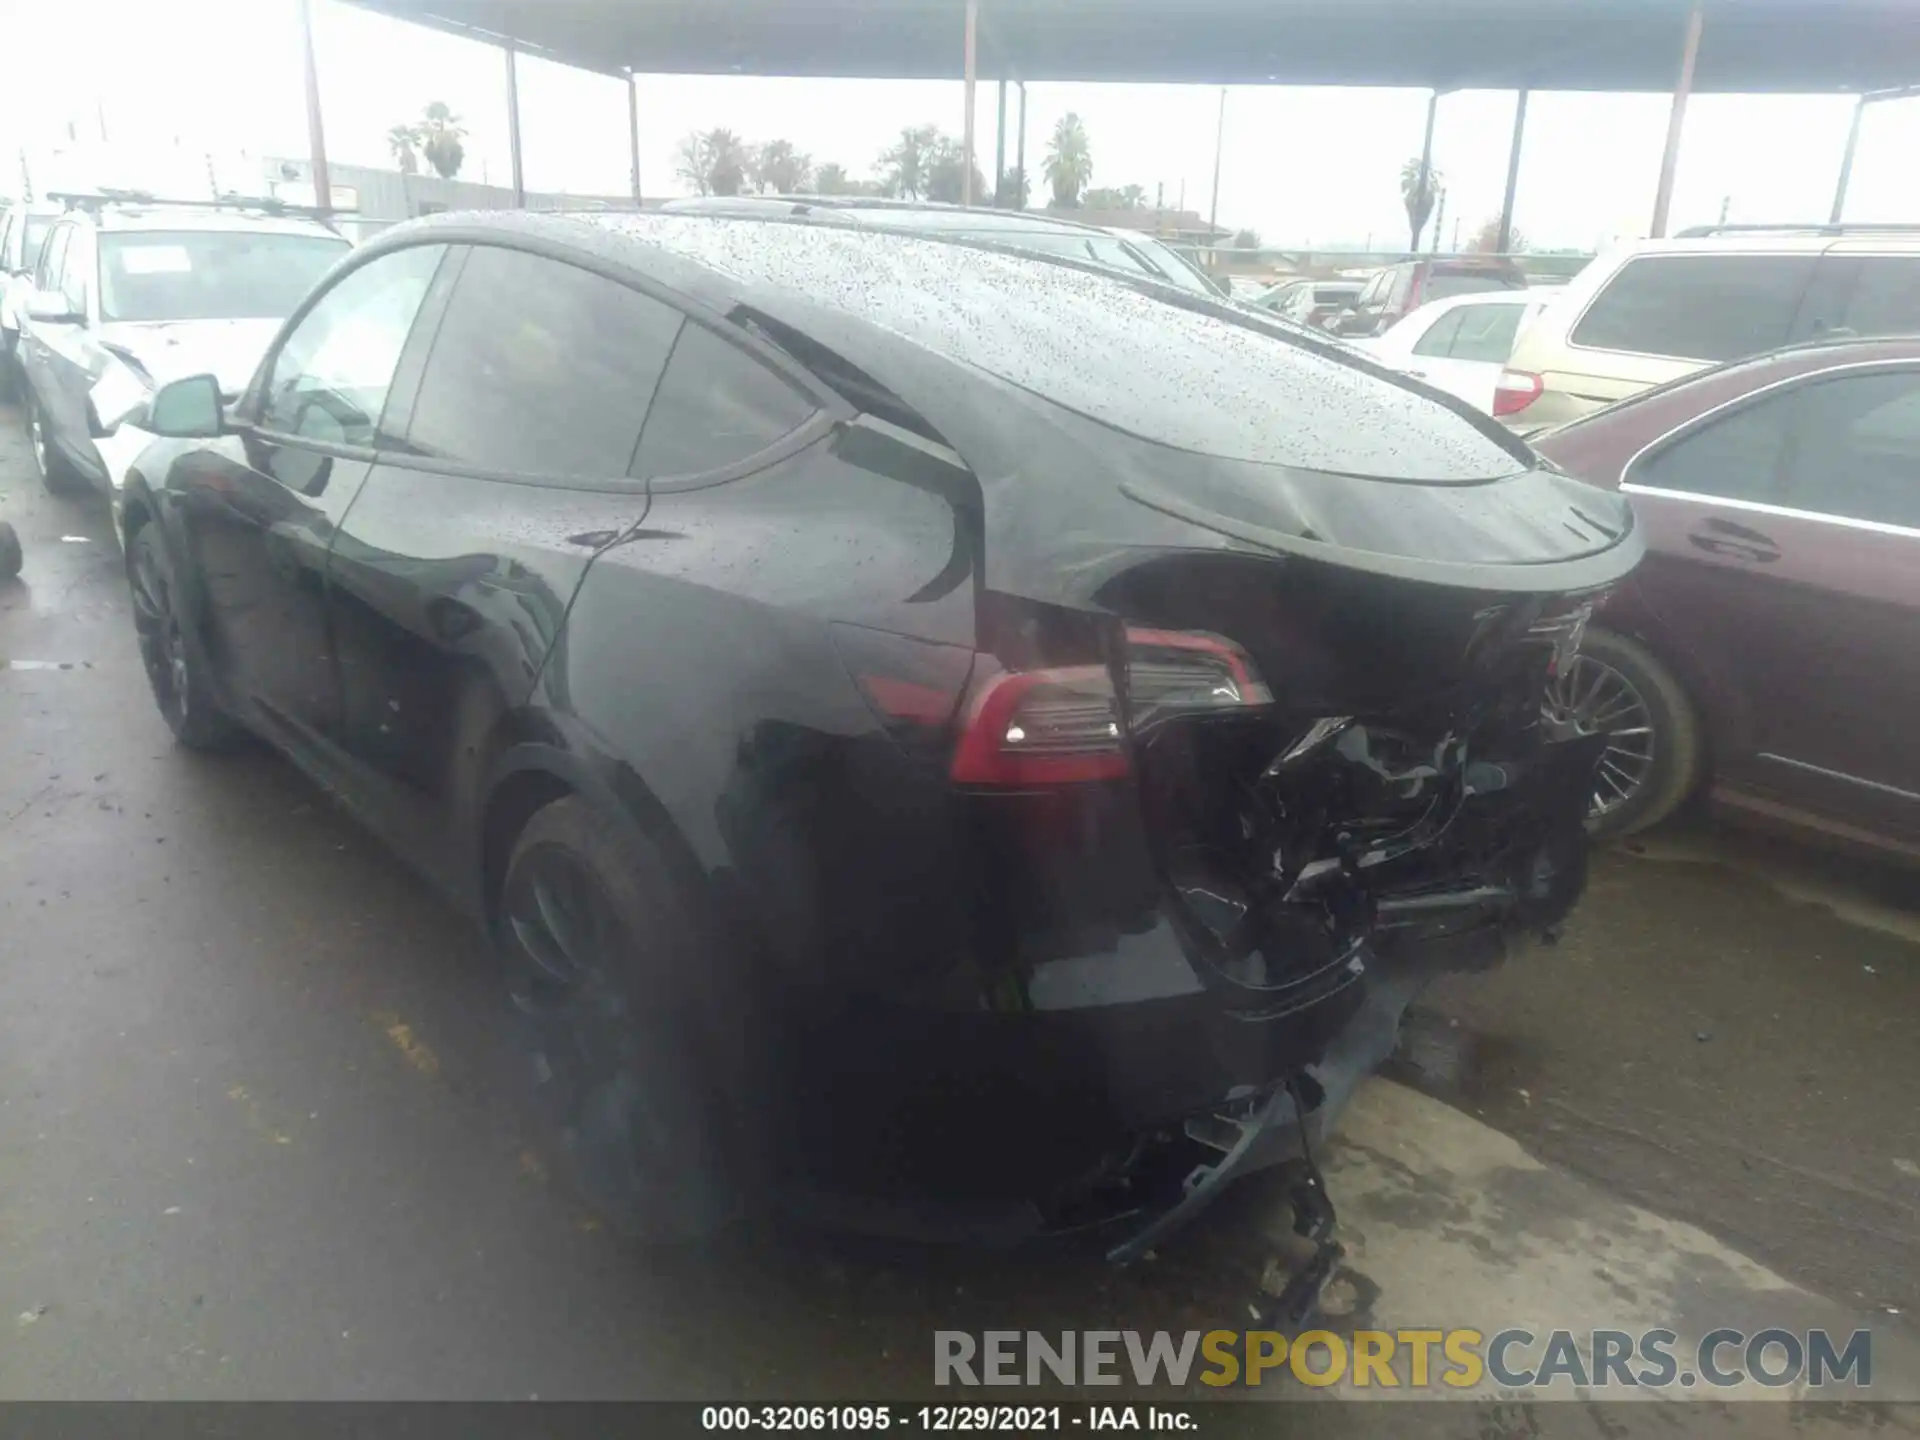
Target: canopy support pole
513,131
633,132
973,26
1505,241
1426,160
1020,159
1676,118
1846,161
316,135
1000,145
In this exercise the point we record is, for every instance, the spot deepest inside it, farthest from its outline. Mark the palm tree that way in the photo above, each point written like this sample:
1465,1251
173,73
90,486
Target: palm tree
441,134
404,142
778,167
1133,197
904,165
1420,186
1069,162
727,161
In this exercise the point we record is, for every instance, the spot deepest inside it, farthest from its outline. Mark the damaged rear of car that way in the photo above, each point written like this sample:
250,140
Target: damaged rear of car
1246,711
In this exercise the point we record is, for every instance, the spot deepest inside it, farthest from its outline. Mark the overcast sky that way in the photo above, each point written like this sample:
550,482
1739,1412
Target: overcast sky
173,81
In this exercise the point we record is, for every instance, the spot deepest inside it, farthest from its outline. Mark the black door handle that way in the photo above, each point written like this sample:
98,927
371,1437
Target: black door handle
1735,542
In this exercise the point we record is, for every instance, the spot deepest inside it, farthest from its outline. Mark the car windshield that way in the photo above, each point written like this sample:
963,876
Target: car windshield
210,274
1443,284
1178,269
38,228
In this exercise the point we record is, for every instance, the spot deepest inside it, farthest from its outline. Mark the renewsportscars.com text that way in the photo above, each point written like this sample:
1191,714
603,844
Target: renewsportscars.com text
1405,1359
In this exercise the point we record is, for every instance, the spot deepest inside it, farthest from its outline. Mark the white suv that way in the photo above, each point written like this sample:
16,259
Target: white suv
130,295
1654,310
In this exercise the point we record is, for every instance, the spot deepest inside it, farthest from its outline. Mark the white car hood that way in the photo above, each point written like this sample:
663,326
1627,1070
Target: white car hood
171,349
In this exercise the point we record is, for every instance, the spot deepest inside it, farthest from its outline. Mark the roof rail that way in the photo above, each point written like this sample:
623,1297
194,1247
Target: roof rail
1700,232
96,200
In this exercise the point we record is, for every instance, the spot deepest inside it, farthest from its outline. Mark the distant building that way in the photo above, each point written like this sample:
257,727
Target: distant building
370,199
1181,226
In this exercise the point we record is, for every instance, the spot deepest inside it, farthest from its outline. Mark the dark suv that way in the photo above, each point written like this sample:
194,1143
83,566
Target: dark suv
919,741
1399,290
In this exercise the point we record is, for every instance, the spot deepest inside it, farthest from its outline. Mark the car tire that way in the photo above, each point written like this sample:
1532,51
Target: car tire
10,557
181,689
604,965
1671,766
55,470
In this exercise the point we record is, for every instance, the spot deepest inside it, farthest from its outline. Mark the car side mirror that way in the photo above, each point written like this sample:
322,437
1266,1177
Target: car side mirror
50,307
188,409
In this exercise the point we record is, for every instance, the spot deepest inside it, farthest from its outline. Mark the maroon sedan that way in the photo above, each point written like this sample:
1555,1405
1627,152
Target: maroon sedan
1770,642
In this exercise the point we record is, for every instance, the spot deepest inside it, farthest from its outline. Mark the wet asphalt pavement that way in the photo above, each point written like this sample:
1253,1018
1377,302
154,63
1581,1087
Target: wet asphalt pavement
256,1137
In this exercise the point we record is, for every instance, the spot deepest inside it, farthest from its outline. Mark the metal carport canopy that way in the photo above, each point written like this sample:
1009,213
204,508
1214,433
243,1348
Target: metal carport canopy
1747,45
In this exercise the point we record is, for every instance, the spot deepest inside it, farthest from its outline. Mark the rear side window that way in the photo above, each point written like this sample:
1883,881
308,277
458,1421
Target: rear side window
1486,332
541,368
1886,296
1697,307
716,405
1438,341
1856,448
1736,457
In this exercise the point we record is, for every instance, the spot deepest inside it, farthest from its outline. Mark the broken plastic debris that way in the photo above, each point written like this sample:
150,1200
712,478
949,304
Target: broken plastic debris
76,539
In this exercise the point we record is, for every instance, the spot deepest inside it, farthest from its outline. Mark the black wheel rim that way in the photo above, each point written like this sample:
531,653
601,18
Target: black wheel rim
163,647
607,1073
1596,699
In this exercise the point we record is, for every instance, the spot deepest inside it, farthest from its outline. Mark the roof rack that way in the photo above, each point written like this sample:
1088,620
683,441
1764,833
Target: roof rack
1700,232
94,201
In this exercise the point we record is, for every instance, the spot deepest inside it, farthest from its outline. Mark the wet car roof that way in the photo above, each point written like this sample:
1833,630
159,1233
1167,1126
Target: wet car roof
1192,376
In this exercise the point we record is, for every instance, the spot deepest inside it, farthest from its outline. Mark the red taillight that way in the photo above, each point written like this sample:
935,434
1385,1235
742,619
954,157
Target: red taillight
1515,390
1063,725
1042,727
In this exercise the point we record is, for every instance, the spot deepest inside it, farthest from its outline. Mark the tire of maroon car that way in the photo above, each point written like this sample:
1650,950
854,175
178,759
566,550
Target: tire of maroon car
1676,735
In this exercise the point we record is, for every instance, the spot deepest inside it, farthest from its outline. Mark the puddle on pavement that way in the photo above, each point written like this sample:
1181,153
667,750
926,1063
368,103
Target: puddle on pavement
1439,1055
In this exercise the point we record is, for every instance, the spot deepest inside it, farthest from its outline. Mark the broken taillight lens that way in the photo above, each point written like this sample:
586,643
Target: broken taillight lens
1063,724
1172,671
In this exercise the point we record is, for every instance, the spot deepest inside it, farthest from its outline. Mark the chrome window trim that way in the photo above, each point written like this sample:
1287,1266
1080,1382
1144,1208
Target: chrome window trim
1752,397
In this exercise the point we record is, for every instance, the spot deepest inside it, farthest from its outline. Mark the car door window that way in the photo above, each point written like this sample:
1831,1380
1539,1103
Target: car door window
1697,307
1486,333
76,271
1733,457
47,274
541,368
1438,339
1886,296
716,405
1856,448
330,377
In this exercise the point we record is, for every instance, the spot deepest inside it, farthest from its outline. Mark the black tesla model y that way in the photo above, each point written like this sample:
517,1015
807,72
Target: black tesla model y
932,733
